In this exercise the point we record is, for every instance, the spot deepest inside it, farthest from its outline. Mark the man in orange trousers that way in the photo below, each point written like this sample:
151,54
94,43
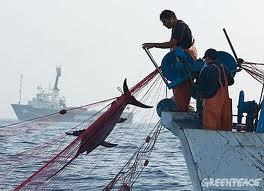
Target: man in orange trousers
181,36
213,83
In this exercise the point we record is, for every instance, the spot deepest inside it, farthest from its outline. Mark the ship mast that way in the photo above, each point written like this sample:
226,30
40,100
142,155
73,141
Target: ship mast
58,69
20,89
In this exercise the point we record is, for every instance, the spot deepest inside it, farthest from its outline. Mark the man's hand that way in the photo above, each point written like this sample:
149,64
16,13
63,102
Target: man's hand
240,60
149,45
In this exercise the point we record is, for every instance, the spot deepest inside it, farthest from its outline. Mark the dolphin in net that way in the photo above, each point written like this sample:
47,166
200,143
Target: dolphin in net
96,133
88,139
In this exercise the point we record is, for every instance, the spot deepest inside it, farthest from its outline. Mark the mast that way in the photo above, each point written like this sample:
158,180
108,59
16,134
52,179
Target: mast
20,89
58,70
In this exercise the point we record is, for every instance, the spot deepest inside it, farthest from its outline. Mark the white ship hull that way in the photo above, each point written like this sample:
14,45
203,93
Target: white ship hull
218,160
27,112
47,105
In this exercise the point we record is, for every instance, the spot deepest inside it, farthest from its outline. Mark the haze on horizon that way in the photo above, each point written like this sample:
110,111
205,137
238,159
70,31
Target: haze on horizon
98,43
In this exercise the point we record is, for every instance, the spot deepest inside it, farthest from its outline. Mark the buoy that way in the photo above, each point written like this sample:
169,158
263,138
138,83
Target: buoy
147,139
63,111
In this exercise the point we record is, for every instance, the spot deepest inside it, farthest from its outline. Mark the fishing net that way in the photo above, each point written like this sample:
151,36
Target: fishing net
255,70
41,167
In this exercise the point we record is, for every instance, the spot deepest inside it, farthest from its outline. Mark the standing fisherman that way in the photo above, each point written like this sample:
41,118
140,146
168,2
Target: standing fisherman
181,36
213,83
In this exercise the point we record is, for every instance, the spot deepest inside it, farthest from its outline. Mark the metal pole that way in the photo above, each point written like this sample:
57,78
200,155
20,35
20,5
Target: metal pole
20,89
231,46
156,65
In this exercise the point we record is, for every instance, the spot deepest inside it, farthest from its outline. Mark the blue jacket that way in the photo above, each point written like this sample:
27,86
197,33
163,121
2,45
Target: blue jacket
208,82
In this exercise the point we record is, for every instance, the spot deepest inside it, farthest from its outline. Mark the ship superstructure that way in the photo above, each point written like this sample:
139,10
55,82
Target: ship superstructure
47,102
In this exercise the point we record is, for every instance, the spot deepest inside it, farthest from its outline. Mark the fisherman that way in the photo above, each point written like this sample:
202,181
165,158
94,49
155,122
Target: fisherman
181,36
213,83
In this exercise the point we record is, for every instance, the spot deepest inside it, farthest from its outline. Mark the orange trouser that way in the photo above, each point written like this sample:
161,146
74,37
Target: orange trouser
217,111
182,95
182,92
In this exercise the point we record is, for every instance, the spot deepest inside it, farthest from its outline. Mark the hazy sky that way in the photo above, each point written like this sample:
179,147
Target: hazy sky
98,43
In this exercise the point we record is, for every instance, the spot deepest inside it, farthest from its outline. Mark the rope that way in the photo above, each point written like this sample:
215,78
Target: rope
254,70
128,175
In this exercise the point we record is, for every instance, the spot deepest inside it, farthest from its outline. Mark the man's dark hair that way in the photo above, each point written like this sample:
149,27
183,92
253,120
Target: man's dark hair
211,53
167,14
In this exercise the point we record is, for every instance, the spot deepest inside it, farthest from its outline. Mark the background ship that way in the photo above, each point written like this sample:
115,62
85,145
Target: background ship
48,102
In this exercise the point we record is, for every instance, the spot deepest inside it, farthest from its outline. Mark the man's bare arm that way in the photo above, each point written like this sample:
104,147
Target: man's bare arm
171,44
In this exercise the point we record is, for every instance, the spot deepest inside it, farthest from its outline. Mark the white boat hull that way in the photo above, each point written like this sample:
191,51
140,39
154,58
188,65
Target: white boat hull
218,160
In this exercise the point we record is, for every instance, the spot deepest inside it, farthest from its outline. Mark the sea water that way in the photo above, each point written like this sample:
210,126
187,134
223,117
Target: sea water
166,169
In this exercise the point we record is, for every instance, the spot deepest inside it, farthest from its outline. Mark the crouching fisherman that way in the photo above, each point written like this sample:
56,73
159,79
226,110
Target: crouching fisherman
213,83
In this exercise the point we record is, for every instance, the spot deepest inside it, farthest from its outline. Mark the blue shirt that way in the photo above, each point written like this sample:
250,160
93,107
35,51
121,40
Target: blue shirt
182,33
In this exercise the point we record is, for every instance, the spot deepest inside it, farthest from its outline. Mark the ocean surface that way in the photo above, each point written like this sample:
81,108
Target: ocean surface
166,169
